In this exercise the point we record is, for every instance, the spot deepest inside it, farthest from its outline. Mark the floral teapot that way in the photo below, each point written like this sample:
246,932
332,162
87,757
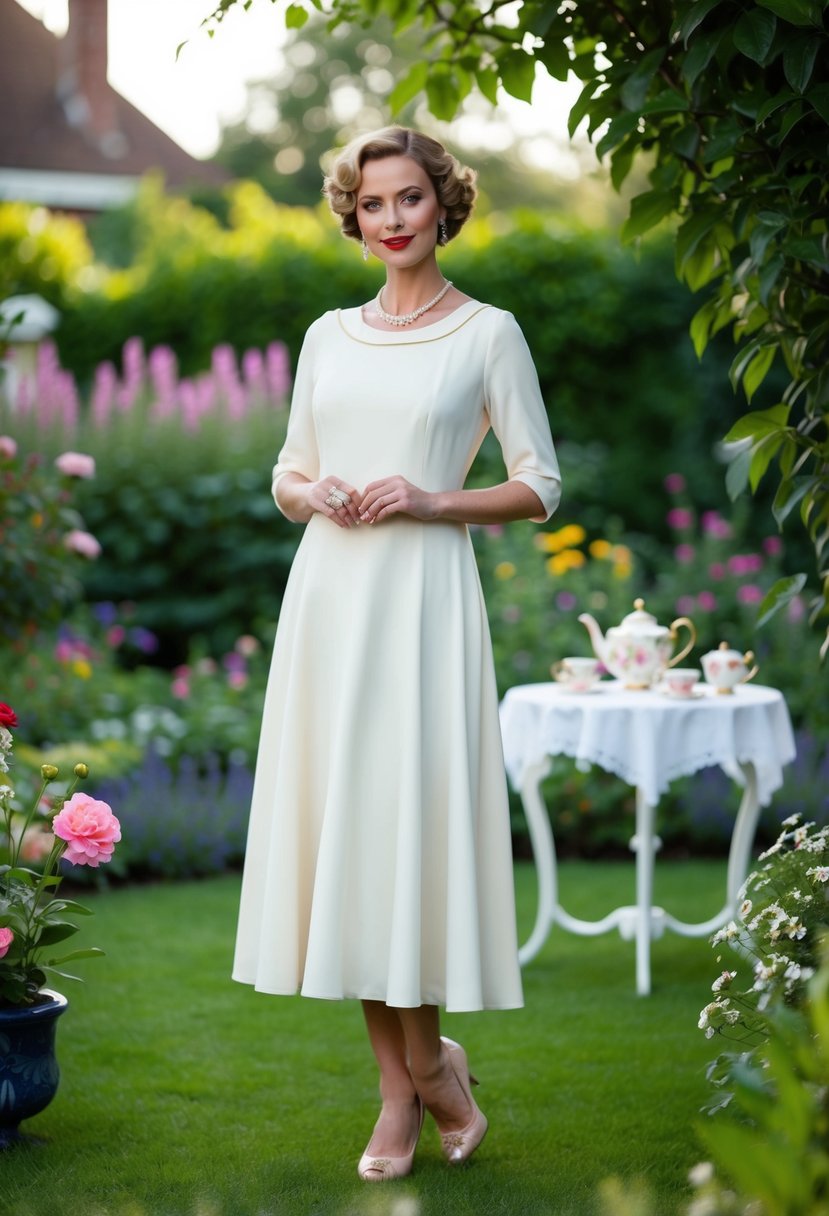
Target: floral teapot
639,650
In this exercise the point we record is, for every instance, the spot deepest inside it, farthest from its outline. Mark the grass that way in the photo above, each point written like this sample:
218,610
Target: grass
183,1094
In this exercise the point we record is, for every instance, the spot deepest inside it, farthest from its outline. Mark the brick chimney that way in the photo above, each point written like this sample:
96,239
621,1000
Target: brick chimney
87,99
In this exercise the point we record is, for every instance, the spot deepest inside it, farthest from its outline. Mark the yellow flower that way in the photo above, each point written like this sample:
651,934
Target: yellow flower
602,549
505,570
82,668
81,770
48,772
565,538
621,553
622,570
560,563
37,520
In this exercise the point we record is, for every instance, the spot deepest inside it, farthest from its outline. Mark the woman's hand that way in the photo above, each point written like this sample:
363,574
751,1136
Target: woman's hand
336,499
396,496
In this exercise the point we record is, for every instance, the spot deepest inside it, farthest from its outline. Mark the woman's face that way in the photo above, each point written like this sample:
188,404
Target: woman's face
398,210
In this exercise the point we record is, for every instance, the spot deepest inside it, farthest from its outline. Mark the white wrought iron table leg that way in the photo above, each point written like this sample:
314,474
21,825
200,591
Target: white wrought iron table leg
544,854
742,839
645,847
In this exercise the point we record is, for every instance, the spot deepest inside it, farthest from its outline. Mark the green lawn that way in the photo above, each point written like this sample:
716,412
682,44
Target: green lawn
183,1093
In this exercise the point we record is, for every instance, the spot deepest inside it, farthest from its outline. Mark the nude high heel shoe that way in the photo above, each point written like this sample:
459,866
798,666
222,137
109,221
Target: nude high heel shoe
459,1146
384,1169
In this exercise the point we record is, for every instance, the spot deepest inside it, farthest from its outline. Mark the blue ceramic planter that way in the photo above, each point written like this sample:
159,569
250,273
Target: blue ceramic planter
28,1068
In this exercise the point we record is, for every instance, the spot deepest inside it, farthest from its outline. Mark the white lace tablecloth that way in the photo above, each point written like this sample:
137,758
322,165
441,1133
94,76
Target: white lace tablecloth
648,738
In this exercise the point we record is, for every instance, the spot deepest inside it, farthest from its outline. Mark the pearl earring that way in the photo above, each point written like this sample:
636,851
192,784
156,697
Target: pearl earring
443,235
365,249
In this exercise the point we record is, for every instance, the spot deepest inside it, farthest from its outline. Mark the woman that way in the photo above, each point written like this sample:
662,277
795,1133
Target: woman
379,864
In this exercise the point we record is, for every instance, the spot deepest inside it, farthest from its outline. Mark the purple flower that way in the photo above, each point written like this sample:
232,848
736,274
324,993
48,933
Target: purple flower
717,571
143,639
707,601
684,553
685,605
674,483
566,601
773,545
278,369
679,518
745,563
714,524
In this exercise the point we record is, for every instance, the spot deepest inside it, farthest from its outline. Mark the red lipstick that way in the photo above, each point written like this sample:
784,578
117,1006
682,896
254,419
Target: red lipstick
397,242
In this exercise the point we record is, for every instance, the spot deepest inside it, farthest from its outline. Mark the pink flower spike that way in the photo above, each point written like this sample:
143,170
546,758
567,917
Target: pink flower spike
82,542
717,571
679,519
684,553
674,483
8,447
6,939
749,594
75,464
89,828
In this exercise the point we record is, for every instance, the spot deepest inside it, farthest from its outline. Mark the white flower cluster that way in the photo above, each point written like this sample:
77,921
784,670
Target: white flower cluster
783,904
6,742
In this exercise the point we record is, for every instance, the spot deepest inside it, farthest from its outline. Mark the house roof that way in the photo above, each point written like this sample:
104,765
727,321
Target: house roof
37,138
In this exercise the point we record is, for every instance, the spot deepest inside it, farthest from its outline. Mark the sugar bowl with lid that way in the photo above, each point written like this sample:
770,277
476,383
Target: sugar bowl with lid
725,668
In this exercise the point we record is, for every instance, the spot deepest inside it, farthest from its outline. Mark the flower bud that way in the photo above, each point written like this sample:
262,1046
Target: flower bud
81,770
48,772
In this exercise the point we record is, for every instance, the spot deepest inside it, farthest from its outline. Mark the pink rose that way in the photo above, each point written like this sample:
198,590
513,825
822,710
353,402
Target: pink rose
6,939
8,717
8,447
76,464
83,543
89,828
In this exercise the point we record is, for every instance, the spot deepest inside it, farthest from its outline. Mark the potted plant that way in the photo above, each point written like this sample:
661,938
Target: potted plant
34,920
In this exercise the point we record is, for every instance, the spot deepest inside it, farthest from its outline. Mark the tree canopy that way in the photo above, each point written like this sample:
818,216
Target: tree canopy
729,102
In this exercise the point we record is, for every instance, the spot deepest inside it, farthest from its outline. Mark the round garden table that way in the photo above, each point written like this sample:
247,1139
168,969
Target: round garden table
648,739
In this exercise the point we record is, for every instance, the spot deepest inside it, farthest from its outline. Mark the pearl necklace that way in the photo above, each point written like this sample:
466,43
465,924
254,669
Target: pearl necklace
407,317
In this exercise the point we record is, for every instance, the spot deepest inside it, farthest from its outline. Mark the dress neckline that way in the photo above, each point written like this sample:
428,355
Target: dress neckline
354,326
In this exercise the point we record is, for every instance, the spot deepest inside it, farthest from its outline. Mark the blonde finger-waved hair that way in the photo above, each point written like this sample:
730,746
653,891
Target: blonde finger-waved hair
454,183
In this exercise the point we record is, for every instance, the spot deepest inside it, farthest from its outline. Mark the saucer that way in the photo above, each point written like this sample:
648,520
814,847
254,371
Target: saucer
580,692
681,696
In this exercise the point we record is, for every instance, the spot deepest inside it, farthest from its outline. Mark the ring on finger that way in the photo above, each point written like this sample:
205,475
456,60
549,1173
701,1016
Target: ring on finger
342,495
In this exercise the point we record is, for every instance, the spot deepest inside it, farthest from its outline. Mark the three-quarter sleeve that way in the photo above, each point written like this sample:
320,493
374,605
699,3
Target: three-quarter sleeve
300,453
517,415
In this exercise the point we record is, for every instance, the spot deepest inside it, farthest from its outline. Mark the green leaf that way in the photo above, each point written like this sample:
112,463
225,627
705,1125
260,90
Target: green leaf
754,33
696,14
666,102
774,103
685,142
646,210
517,71
778,596
581,105
699,55
487,80
88,952
769,276
818,98
762,234
442,92
556,58
295,16
796,12
736,477
756,425
799,60
409,86
635,89
789,493
809,249
57,931
621,126
762,456
701,326
621,162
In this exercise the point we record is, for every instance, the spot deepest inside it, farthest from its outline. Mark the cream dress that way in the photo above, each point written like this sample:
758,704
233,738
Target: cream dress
378,862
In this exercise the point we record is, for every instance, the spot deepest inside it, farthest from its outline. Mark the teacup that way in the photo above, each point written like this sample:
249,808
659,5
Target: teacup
575,673
681,681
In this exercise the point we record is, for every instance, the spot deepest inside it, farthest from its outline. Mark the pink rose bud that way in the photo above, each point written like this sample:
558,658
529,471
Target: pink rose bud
89,828
6,939
76,464
82,542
